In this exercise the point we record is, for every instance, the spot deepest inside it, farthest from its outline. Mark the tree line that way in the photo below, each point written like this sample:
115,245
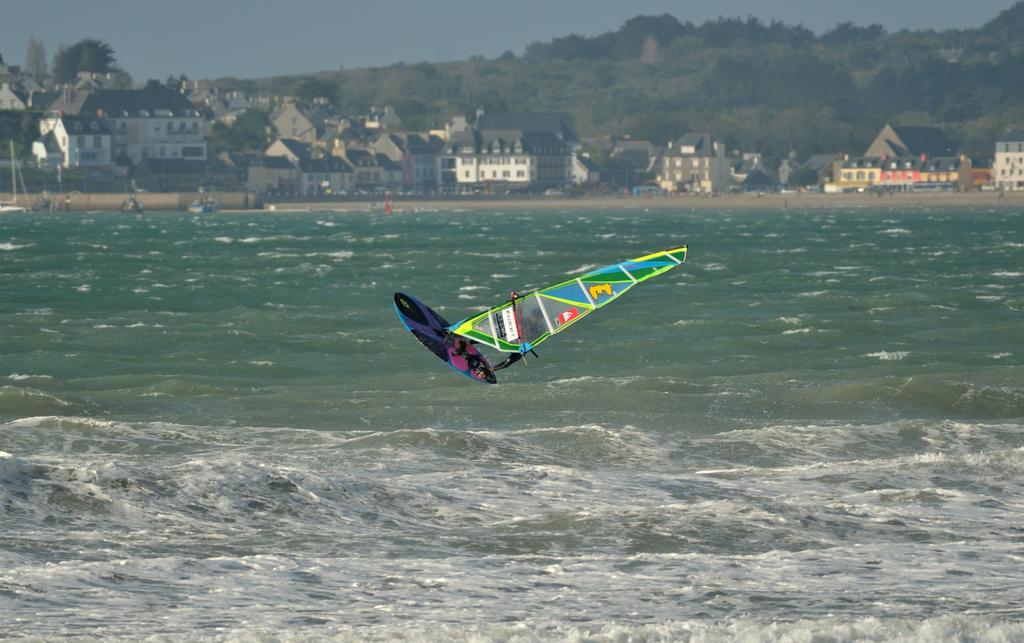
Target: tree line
769,87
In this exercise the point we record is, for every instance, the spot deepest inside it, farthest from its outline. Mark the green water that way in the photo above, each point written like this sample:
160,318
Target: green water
818,418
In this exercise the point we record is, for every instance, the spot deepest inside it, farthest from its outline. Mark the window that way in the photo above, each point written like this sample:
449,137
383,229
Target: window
96,141
80,141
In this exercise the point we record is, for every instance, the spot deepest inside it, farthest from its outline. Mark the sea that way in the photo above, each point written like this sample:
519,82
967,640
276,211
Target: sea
216,428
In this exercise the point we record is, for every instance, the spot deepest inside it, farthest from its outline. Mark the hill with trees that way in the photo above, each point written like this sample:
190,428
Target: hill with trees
769,87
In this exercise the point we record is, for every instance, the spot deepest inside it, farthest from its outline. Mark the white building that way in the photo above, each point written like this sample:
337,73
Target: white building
143,123
73,141
1008,167
505,159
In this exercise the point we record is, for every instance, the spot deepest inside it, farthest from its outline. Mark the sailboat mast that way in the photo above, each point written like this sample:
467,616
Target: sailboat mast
14,180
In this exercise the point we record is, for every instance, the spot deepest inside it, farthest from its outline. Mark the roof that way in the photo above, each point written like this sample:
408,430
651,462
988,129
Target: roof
49,141
249,159
361,158
558,123
914,141
295,147
43,99
820,162
326,165
84,125
586,162
915,163
702,143
121,103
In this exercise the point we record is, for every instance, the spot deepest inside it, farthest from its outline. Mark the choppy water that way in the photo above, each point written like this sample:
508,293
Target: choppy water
217,428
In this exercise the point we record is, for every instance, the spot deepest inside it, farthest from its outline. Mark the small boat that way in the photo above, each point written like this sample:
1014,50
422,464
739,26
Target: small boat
10,208
131,204
205,205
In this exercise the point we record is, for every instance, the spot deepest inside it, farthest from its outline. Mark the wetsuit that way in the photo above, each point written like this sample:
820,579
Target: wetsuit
509,361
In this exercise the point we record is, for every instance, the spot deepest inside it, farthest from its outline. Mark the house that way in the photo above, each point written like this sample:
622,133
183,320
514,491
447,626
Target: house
144,123
294,150
416,154
47,152
372,170
264,173
910,173
584,170
741,168
509,150
73,141
758,180
293,121
979,175
1008,166
823,165
12,98
902,174
380,121
318,173
898,141
325,176
695,163
855,174
506,159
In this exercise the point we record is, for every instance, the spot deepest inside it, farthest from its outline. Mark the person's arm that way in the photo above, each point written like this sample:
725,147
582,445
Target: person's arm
509,361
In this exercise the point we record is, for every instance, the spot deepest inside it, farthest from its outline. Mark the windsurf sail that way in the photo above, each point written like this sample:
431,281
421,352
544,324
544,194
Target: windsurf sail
525,321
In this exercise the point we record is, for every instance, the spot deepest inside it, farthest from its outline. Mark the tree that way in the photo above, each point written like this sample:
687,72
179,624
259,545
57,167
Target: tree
801,177
85,55
309,88
35,60
251,132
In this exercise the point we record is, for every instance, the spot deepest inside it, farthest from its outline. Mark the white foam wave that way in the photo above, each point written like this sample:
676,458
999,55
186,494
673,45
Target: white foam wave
888,356
8,246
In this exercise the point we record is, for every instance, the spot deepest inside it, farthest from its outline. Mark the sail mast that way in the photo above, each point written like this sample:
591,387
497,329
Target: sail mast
14,179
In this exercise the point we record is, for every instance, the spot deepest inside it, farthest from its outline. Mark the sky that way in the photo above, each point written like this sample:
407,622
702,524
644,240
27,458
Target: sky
259,38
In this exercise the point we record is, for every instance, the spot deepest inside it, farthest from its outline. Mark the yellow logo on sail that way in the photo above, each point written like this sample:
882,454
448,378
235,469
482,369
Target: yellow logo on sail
602,289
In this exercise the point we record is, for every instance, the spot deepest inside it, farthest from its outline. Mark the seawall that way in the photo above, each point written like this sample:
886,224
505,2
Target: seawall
83,202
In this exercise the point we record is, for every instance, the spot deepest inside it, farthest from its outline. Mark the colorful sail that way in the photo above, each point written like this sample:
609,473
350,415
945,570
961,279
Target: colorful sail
518,325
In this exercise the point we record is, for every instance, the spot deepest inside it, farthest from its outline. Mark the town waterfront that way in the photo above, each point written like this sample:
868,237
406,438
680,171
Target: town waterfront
216,427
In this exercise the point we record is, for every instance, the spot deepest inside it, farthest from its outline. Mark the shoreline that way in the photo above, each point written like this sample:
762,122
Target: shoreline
784,202
239,202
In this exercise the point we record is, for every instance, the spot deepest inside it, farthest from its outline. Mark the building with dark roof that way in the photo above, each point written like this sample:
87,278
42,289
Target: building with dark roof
559,124
694,163
144,123
505,159
73,141
899,141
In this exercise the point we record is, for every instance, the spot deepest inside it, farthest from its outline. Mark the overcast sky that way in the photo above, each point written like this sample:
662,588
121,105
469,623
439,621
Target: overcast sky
256,38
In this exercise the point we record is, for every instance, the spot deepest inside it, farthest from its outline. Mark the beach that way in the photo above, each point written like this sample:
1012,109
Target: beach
771,201
236,201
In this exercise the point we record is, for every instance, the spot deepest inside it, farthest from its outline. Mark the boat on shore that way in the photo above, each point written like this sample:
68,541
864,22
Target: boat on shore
205,205
12,207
